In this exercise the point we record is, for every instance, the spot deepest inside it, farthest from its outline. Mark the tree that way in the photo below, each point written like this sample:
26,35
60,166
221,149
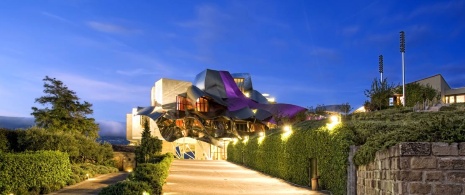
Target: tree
418,93
379,94
66,112
149,146
345,108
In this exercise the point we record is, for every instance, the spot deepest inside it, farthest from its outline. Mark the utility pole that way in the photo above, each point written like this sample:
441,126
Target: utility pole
402,51
381,67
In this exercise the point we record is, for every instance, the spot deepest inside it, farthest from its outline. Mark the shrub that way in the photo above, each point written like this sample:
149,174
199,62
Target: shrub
21,172
80,148
127,187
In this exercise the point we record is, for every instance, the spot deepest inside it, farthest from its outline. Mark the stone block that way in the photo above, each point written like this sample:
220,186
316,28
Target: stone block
456,177
377,174
457,163
394,151
386,164
462,148
404,163
400,187
448,189
423,163
444,149
395,163
409,175
419,188
415,149
434,176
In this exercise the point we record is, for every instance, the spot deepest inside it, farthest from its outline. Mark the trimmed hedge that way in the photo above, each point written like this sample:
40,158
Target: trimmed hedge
34,172
127,187
289,157
152,174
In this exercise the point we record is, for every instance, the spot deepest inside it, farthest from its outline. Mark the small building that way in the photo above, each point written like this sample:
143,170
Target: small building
448,95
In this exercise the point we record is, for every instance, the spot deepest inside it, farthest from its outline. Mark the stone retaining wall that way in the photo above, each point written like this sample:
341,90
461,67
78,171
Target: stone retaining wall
415,168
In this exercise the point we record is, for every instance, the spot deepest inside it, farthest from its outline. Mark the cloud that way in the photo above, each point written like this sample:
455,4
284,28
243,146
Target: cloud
95,90
111,28
56,17
437,8
112,128
350,30
324,52
135,72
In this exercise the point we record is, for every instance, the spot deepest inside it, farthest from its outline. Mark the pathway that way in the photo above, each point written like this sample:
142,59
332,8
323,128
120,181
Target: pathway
193,177
93,185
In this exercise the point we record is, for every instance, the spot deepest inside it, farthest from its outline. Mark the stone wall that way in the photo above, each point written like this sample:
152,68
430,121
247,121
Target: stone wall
415,168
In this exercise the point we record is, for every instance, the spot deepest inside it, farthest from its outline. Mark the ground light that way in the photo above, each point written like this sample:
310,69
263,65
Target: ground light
335,120
235,140
261,137
287,131
246,138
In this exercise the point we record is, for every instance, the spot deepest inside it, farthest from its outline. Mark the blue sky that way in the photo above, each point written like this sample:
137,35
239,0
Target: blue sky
302,52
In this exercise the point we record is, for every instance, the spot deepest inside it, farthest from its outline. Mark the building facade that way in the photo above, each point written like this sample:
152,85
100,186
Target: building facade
197,120
448,95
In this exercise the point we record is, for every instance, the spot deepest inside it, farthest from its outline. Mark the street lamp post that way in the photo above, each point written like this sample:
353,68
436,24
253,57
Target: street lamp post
402,51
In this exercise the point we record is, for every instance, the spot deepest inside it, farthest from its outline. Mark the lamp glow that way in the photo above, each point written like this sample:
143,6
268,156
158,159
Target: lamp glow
247,94
261,134
287,128
335,120
246,138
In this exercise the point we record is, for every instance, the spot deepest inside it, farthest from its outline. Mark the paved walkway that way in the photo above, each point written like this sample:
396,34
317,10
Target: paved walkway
93,185
193,177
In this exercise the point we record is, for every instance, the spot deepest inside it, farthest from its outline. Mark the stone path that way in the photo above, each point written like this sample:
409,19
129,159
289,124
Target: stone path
93,185
193,177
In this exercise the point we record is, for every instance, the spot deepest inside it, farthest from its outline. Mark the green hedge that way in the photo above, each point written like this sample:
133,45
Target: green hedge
289,157
153,174
127,187
80,149
41,171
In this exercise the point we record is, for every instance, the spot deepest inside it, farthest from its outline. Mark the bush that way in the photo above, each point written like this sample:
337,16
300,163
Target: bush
154,174
127,187
21,172
80,148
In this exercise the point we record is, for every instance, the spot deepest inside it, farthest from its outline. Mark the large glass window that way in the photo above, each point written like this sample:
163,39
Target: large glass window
460,99
202,105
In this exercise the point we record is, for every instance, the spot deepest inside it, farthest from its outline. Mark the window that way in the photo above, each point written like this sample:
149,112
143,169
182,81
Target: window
182,103
460,99
202,105
241,127
240,83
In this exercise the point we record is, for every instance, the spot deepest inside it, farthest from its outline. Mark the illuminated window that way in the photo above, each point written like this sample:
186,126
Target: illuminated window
202,105
182,103
240,83
460,99
241,127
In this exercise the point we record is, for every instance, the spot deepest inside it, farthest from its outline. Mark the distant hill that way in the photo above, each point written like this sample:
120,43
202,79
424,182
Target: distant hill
107,128
16,122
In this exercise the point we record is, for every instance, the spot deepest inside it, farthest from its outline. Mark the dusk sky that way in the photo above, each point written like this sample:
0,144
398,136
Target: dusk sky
301,52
